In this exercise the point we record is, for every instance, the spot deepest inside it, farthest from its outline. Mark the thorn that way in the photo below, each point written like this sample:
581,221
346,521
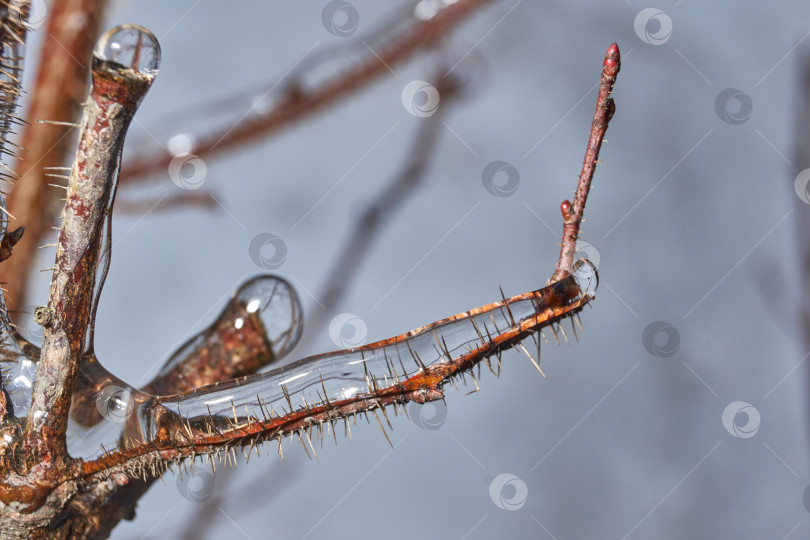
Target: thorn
562,332
287,395
476,384
579,322
55,123
532,359
235,418
477,331
306,432
387,420
416,357
381,427
325,397
506,305
554,331
348,428
303,445
6,212
261,407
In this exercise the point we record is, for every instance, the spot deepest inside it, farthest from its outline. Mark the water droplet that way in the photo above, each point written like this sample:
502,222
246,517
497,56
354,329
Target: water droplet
586,275
130,46
261,323
276,304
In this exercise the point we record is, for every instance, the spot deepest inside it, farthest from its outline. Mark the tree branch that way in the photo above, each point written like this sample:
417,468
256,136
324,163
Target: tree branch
118,86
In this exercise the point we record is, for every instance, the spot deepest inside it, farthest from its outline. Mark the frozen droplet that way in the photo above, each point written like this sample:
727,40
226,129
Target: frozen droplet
586,275
130,46
275,303
261,323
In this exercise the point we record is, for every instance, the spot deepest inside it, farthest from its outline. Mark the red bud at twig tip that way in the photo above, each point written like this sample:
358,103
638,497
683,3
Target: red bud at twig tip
612,58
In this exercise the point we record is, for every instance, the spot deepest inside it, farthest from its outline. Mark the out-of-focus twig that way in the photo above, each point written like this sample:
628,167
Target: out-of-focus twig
298,102
186,199
60,87
801,161
374,217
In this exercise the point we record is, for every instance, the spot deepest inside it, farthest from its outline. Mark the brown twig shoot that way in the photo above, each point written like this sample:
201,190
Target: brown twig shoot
572,213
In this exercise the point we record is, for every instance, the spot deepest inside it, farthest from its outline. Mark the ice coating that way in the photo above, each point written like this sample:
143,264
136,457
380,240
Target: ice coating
263,319
412,366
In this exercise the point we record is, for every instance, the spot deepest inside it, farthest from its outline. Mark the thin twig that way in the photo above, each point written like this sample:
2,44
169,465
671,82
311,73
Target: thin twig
572,213
185,199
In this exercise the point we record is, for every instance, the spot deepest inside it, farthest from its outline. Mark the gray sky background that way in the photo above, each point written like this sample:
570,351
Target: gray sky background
692,211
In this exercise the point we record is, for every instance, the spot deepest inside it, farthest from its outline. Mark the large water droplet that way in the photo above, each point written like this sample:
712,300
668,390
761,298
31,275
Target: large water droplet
276,304
261,323
130,46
